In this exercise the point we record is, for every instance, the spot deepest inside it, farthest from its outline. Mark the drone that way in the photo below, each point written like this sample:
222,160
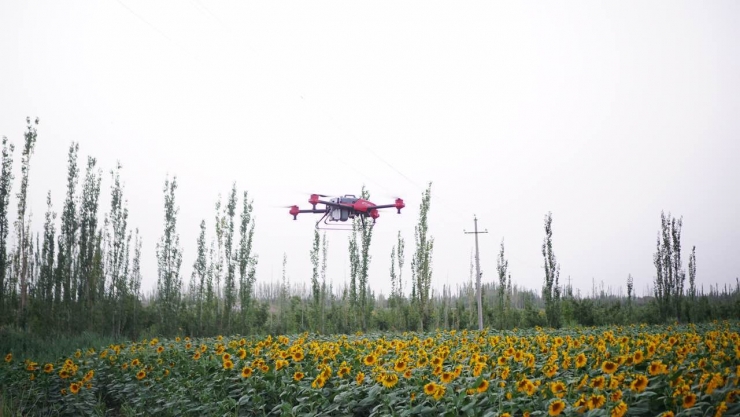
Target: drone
341,209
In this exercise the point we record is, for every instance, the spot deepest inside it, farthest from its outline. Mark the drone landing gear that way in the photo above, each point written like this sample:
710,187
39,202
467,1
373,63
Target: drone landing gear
345,228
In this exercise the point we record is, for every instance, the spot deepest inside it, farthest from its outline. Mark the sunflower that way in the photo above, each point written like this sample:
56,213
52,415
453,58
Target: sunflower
609,367
298,355
483,386
298,376
370,360
447,377
657,367
390,379
430,388
558,389
360,378
74,387
721,408
556,407
48,368
581,360
400,365
247,372
439,392
140,375
689,400
619,410
8,357
598,382
596,401
639,383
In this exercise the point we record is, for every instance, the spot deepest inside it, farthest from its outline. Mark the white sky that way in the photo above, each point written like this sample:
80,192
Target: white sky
604,113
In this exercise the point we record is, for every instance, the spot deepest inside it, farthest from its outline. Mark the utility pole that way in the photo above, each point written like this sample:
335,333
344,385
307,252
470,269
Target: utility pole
477,267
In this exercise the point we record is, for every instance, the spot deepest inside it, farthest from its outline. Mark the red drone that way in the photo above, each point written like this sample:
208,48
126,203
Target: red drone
341,209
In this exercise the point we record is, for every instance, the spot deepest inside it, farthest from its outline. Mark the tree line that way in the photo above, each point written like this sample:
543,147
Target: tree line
82,273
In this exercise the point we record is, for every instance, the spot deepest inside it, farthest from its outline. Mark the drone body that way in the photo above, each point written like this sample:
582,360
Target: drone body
341,209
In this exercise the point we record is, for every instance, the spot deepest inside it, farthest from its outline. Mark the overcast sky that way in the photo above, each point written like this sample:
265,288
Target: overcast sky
604,113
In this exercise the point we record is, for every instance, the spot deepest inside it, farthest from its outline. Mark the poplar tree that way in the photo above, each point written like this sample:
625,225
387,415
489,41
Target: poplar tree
22,226
169,255
324,256
46,273
366,237
630,295
135,277
670,276
421,263
247,261
229,281
218,263
692,285
401,258
6,185
315,288
65,274
200,270
394,279
118,255
354,267
551,289
87,285
502,268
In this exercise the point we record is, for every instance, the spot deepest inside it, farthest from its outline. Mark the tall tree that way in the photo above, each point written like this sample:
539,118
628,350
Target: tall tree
670,276
88,285
135,277
200,270
315,287
551,289
366,233
324,257
22,226
218,262
401,258
354,268
421,263
502,267
118,256
630,294
247,260
46,273
229,281
65,275
6,185
169,255
692,284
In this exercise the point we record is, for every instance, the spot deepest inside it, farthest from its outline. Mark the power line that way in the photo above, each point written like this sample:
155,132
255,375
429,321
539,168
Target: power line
143,20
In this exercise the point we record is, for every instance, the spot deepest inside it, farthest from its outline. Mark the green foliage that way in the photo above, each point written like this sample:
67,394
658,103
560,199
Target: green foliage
551,289
421,262
22,224
169,255
670,275
502,267
315,287
6,185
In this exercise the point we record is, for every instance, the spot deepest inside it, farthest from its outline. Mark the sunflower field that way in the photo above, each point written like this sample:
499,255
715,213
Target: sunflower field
680,370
